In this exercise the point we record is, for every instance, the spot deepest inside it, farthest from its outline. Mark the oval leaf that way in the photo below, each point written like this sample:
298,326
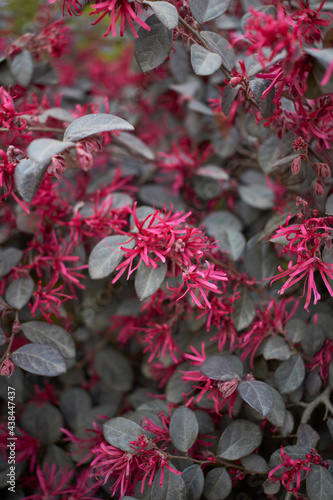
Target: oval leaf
206,10
276,348
319,483
220,46
149,279
277,414
106,255
19,292
194,481
239,439
184,428
22,67
203,61
40,360
172,488
290,374
42,422
218,484
88,125
42,150
166,13
219,368
134,144
28,176
152,47
121,431
258,395
244,311
40,332
9,258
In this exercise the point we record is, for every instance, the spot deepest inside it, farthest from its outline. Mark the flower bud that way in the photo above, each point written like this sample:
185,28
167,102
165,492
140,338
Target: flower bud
319,188
236,80
296,165
323,170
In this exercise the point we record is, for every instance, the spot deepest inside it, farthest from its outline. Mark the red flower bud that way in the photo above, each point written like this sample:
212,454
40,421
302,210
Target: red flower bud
323,170
296,165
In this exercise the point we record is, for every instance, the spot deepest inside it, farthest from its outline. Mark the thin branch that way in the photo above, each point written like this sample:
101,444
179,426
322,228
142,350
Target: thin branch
323,398
37,129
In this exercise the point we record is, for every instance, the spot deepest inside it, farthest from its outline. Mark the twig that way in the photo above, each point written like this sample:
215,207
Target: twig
323,398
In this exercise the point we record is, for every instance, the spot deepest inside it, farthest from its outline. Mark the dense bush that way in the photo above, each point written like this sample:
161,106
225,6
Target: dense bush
166,256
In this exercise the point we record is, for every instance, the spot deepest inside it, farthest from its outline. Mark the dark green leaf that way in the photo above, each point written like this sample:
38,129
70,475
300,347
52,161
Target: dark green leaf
218,484
203,61
194,481
319,484
88,125
114,369
290,374
40,359
106,255
260,259
258,395
276,348
9,258
41,332
255,463
149,279
42,421
307,436
173,487
121,431
184,428
75,403
277,414
152,47
219,368
239,439
19,292
244,310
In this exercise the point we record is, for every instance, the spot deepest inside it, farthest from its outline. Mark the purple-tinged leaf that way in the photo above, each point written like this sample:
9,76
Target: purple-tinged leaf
166,13
219,368
255,464
228,98
307,436
42,422
206,10
42,150
319,483
120,431
22,67
28,176
41,332
244,311
276,348
265,105
149,279
239,439
277,414
194,481
19,292
96,123
220,46
40,359
173,486
218,484
204,62
290,374
106,255
184,428
152,47
258,395
9,258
